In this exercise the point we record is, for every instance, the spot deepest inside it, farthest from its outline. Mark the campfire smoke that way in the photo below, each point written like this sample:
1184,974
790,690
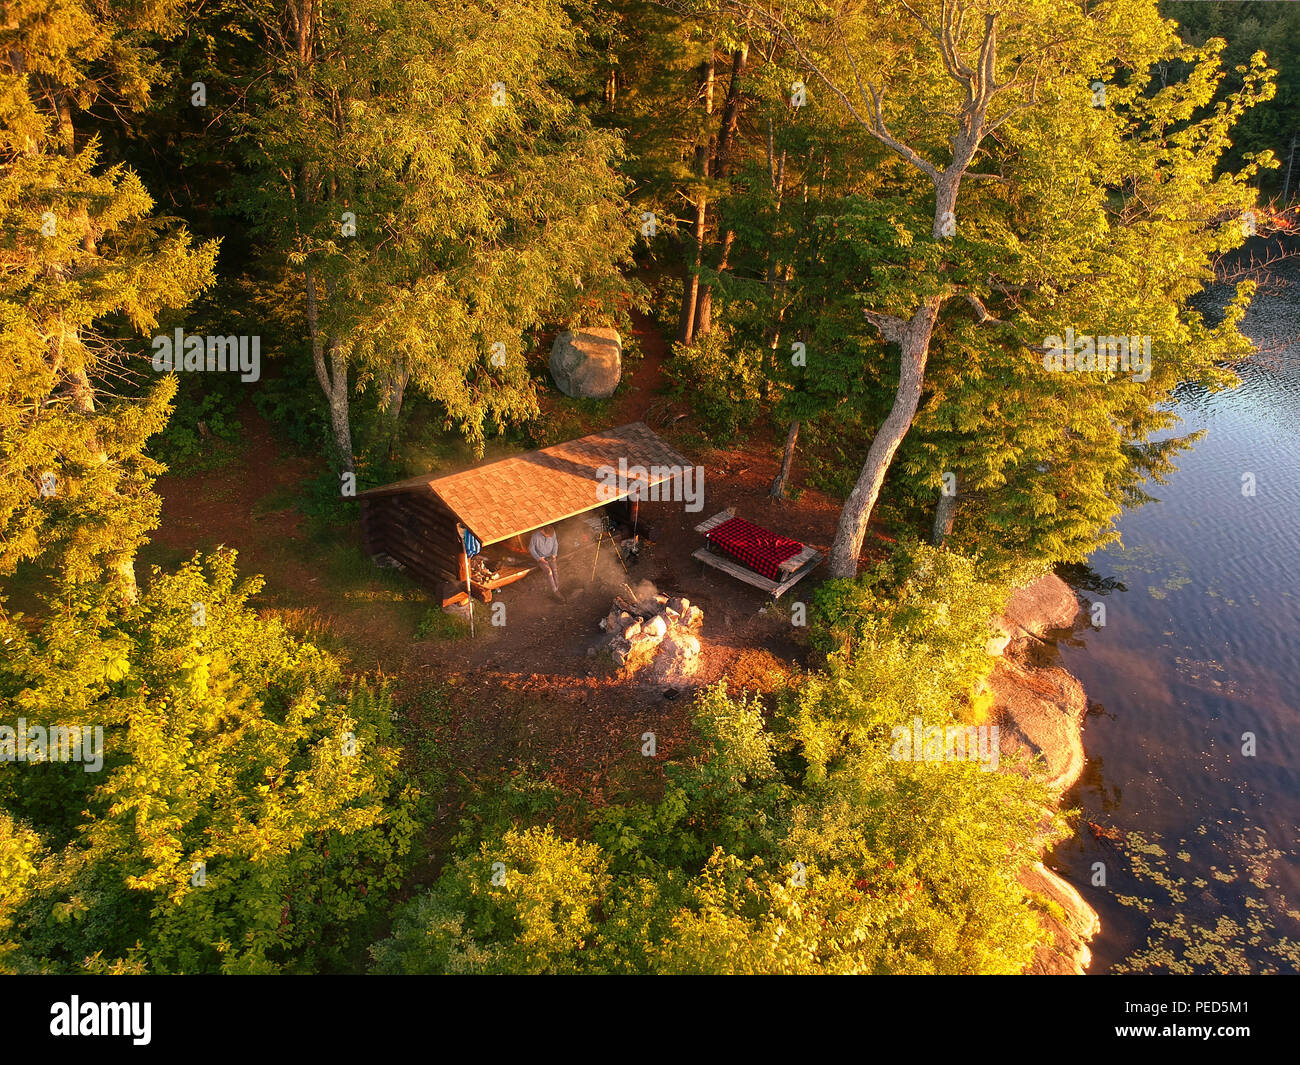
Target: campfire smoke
646,628
644,590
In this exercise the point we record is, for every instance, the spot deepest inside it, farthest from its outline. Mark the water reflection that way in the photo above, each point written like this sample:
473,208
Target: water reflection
1197,661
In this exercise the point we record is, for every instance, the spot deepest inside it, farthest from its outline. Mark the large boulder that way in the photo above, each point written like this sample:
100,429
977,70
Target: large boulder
1037,608
1071,927
587,363
1040,711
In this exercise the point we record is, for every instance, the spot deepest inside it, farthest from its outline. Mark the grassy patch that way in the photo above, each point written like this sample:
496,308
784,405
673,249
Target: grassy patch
309,624
427,758
439,625
277,501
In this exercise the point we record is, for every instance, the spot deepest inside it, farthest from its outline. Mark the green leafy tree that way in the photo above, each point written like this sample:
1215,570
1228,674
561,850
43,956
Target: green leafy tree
1249,28
988,101
248,815
526,903
420,167
676,85
20,849
86,263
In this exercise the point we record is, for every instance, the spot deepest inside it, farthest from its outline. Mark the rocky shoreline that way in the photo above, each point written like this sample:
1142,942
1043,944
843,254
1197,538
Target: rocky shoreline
1039,710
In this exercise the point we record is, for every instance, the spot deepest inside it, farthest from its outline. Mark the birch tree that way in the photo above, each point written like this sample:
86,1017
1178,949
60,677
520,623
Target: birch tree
944,84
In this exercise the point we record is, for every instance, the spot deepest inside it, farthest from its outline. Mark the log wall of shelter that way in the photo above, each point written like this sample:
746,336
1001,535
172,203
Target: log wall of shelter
418,531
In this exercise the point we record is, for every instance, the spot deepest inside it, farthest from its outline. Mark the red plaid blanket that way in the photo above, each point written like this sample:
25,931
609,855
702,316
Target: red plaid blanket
758,548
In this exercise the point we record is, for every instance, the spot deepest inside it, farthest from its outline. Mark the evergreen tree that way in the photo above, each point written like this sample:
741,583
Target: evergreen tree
86,260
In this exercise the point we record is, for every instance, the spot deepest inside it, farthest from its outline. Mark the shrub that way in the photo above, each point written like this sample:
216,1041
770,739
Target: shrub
723,387
906,638
526,902
249,816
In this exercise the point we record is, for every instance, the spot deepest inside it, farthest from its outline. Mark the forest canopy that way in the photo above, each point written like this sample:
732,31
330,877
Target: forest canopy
846,237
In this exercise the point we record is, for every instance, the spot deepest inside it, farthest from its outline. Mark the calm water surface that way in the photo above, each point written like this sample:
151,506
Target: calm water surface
1201,644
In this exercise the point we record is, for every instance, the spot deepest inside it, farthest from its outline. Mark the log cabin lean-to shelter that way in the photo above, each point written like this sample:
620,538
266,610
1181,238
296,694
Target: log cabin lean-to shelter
416,521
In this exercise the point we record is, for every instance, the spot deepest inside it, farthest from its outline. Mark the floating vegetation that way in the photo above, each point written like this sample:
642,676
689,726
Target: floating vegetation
1201,938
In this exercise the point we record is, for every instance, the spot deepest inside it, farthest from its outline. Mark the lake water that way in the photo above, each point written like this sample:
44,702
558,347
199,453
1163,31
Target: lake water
1200,646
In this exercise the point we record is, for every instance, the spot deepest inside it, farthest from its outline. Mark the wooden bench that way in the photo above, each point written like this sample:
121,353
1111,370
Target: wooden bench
791,571
709,524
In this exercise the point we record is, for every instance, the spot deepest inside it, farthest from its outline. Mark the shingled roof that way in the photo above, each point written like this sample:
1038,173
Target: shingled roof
502,498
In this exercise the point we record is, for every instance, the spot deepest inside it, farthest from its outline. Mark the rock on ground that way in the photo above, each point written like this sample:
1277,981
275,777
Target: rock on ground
677,660
1048,603
1068,953
1040,709
587,363
1040,712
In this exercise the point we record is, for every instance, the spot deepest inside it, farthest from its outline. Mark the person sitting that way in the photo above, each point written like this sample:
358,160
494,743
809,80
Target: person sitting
545,548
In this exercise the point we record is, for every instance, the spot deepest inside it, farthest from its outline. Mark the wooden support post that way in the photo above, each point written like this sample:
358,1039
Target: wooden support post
469,590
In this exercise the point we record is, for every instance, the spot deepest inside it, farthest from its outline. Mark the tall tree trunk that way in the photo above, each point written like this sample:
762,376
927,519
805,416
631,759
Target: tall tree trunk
704,306
913,337
979,79
123,570
393,395
785,276
730,121
338,398
397,383
691,266
774,271
719,167
333,377
945,513
776,176
82,394
67,131
787,461
703,324
120,564
691,280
